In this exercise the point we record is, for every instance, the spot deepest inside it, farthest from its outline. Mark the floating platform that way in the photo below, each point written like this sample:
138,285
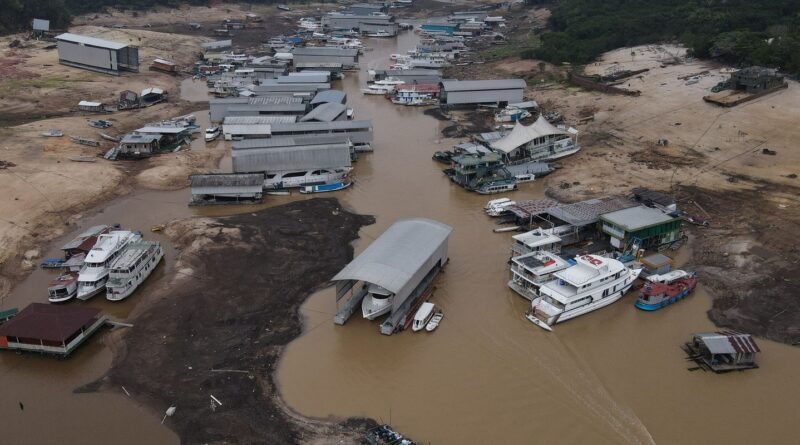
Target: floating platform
50,329
731,98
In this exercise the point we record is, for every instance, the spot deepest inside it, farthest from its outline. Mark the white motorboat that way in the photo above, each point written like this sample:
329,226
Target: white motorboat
523,178
377,302
212,133
384,86
592,283
303,178
495,202
379,33
131,268
434,323
498,209
423,316
94,273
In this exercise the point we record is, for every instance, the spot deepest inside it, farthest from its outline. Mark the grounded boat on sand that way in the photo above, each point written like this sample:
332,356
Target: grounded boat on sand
131,268
63,288
94,273
592,283
665,289
423,316
377,302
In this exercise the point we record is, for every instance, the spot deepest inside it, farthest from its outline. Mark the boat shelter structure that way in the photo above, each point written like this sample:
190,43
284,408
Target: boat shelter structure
538,141
226,188
95,54
404,260
84,242
50,329
476,92
723,351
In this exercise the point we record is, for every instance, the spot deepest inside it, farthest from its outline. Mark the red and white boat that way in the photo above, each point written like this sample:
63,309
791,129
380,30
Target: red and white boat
63,288
663,290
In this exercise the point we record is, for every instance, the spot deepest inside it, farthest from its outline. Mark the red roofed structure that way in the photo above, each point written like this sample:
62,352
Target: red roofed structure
50,329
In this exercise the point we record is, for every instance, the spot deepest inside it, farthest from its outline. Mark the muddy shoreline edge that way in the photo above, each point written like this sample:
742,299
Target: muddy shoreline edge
219,325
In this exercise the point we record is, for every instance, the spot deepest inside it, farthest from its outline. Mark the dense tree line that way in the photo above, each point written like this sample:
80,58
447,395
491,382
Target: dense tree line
744,32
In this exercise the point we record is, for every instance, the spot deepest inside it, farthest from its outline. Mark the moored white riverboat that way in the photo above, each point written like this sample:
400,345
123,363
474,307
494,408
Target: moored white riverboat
592,283
94,273
131,268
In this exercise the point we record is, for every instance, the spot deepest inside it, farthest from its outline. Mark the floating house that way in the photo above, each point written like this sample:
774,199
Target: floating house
642,227
417,75
540,141
756,79
403,261
84,242
94,54
50,329
164,65
238,132
723,351
475,92
226,188
152,96
134,145
475,172
438,28
361,22
415,94
94,107
218,45
359,132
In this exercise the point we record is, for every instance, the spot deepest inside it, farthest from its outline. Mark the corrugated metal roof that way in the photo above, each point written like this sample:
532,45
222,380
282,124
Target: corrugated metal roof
133,138
49,322
78,240
304,77
243,129
41,25
329,96
589,211
152,90
472,85
395,256
292,141
324,113
227,180
301,127
256,120
290,87
291,158
217,44
162,130
325,51
260,100
636,218
728,342
91,41
288,108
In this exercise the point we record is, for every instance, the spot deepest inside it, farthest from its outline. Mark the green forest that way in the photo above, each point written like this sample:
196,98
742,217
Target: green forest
740,32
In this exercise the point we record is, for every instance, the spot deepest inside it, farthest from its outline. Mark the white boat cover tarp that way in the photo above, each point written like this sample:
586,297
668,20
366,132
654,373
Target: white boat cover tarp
522,135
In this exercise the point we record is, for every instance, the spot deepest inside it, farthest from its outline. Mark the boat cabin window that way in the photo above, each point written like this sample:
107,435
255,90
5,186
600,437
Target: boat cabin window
270,176
294,174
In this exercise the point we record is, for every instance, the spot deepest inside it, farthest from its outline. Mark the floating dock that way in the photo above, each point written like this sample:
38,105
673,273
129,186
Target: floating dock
50,329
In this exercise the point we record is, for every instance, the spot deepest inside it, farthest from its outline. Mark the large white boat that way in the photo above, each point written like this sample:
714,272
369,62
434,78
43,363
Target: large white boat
428,61
377,302
385,86
131,268
530,271
63,288
303,178
592,283
94,273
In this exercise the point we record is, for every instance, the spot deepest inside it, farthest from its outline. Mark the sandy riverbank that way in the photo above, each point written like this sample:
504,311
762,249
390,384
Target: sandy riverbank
219,326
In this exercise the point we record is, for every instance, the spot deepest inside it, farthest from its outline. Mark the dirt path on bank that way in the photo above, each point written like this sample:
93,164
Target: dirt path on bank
254,270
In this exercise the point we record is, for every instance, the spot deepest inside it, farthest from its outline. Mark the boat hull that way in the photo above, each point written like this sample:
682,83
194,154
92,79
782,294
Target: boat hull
372,308
85,295
649,307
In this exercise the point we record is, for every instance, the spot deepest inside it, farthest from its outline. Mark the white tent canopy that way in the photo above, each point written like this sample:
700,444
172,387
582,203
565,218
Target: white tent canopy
522,135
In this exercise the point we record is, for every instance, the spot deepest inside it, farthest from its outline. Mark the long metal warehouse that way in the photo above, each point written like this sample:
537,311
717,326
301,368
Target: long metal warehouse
226,187
95,54
402,262
325,54
291,159
474,92
358,131
220,108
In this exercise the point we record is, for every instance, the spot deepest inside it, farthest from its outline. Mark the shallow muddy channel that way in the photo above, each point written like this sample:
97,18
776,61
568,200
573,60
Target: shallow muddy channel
486,375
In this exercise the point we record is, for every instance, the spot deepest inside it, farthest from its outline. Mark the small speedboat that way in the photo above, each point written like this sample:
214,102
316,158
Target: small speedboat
212,133
435,320
423,316
341,185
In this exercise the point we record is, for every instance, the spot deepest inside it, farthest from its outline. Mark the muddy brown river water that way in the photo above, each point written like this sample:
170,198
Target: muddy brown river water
486,375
